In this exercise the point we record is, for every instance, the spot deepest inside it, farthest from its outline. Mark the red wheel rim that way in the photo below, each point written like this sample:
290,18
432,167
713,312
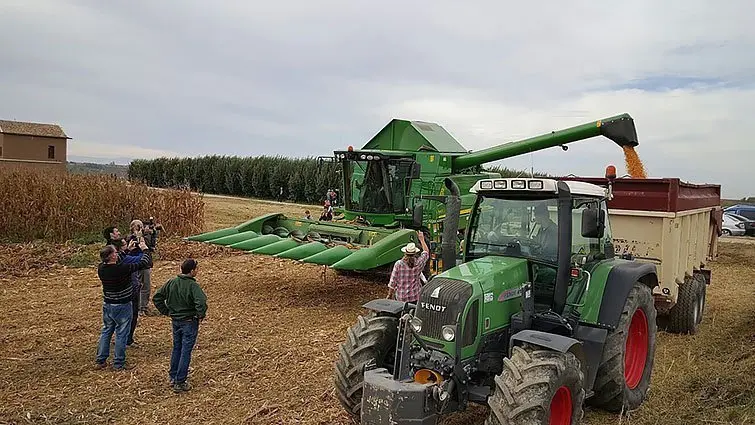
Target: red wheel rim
636,352
561,407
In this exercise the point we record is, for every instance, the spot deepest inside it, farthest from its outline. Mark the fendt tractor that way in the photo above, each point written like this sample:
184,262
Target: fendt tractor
391,188
540,317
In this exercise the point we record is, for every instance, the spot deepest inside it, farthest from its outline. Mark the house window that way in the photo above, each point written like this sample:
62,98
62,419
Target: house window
51,152
1,151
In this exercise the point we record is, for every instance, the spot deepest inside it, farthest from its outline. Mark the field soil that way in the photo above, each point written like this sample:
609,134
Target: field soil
265,353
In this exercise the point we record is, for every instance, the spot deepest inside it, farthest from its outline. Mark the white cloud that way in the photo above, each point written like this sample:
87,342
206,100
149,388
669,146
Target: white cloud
298,78
106,151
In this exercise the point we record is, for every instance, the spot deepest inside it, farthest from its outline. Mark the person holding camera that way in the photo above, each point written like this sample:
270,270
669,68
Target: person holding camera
117,291
149,233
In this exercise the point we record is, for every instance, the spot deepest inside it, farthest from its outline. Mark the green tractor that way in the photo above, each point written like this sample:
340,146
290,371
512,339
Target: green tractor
540,317
392,187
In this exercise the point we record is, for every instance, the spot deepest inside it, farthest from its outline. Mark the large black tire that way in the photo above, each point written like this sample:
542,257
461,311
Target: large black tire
686,315
538,387
371,338
617,386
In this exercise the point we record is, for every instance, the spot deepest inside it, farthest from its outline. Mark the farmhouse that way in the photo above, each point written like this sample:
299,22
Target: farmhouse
32,145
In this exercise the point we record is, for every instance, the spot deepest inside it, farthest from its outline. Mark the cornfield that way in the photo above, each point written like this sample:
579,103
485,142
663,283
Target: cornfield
60,207
300,180
277,178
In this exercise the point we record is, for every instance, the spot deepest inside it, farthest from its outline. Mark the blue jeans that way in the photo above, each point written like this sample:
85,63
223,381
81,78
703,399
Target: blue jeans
115,318
184,338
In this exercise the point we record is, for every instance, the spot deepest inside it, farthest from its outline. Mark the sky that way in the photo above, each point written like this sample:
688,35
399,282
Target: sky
143,79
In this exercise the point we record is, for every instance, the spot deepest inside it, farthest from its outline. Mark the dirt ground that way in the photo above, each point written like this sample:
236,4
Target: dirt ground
266,352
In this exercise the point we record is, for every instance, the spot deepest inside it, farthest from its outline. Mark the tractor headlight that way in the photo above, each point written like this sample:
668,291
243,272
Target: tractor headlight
448,333
416,324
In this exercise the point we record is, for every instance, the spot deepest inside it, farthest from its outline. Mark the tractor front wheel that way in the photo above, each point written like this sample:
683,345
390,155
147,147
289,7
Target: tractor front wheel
686,315
371,339
538,387
623,377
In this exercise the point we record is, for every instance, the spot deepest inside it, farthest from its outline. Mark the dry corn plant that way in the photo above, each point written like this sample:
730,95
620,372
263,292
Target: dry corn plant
60,207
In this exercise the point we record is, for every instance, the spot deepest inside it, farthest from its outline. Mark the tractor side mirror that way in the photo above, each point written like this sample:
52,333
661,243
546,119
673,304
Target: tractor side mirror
593,223
415,171
417,214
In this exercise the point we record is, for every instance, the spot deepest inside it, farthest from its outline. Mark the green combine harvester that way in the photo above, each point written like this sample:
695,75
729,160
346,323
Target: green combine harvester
392,187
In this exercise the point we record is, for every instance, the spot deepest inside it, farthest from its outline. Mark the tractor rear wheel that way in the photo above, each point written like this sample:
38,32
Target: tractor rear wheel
686,315
538,387
371,338
623,377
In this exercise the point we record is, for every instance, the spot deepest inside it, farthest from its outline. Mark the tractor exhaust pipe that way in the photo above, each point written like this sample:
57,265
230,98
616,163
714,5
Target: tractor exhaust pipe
450,225
564,248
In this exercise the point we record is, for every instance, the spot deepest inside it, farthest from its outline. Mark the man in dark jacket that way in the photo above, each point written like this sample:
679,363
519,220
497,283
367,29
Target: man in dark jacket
116,307
183,300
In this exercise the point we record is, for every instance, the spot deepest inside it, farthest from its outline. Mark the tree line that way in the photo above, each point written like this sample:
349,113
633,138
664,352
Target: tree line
300,180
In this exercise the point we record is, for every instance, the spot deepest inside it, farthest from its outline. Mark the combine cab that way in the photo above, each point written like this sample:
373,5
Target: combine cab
392,187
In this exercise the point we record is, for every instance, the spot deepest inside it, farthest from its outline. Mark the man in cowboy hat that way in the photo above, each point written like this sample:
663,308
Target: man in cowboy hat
406,281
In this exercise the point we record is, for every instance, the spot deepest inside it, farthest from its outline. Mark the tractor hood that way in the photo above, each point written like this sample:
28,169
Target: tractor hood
474,297
483,271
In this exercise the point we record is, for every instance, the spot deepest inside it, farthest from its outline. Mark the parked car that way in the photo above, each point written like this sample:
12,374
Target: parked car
732,226
743,210
749,223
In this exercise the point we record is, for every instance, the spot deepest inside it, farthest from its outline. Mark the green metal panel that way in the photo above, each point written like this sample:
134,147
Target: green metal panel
302,251
593,298
255,243
413,136
276,247
330,256
236,237
204,237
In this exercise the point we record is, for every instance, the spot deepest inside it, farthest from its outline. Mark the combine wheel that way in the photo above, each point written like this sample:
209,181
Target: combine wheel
687,314
538,387
623,377
371,338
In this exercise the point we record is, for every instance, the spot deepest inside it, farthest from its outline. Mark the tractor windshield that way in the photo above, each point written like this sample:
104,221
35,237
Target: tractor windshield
528,228
376,186
520,228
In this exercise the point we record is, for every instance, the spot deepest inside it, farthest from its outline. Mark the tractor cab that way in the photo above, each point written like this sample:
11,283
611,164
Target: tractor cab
560,228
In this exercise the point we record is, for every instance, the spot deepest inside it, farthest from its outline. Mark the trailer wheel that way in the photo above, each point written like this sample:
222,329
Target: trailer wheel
686,315
371,338
623,377
537,387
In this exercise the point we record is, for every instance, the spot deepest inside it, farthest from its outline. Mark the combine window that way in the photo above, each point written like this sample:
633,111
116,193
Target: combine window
377,186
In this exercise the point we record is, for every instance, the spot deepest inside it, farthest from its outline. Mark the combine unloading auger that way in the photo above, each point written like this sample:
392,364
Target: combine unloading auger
391,188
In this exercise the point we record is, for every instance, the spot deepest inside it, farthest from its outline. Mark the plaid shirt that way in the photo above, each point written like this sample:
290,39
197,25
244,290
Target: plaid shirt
406,281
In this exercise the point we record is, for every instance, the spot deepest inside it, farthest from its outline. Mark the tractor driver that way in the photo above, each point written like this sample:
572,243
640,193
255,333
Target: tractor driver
547,237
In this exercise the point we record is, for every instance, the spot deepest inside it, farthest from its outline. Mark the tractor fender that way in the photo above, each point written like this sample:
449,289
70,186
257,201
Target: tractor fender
385,305
551,341
619,282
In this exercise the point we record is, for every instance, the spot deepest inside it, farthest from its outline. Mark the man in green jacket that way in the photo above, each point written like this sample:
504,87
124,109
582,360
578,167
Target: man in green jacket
183,300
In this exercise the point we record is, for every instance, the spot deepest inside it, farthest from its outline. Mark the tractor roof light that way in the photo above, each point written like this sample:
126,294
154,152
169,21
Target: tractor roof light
536,184
486,184
518,184
499,184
